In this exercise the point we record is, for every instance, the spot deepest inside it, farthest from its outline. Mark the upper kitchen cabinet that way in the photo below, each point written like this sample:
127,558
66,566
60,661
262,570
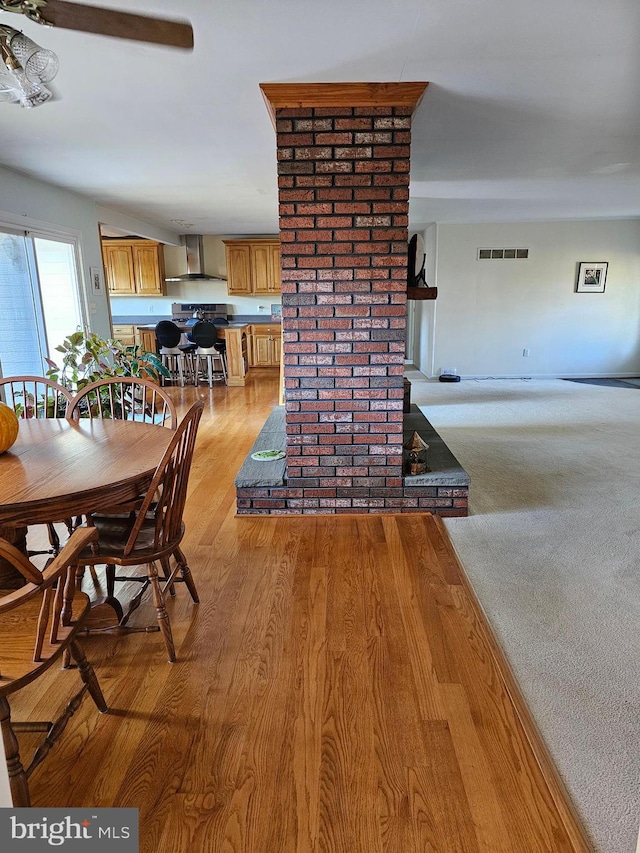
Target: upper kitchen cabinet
134,267
253,267
265,266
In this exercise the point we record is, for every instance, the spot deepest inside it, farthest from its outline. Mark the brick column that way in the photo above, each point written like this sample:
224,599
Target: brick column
343,174
343,192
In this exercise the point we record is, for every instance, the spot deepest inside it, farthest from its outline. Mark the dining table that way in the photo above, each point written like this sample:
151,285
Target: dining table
59,469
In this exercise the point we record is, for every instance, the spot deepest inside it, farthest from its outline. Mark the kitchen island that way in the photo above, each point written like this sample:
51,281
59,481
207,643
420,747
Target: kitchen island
235,335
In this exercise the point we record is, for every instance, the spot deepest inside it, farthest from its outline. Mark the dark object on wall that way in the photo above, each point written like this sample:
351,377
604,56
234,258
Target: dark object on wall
415,262
416,281
422,292
592,276
406,399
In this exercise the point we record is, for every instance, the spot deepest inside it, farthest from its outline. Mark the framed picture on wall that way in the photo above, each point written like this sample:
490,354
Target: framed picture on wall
592,276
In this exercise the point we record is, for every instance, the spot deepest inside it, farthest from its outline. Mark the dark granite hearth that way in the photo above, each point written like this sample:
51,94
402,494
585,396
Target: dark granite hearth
261,487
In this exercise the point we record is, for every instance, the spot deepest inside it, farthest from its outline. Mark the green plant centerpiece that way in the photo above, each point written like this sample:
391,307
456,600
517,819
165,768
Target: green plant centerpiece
86,358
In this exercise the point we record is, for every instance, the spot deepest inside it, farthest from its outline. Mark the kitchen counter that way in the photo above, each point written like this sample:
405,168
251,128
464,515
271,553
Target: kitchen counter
143,322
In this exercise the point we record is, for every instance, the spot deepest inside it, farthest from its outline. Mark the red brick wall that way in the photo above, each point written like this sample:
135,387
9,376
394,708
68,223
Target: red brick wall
343,176
343,193
283,500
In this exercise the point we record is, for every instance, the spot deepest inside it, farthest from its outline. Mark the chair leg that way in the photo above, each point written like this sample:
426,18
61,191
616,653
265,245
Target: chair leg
110,575
88,676
68,594
161,610
185,571
17,776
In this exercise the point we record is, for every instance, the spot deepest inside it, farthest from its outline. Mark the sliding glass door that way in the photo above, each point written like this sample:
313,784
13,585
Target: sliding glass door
39,299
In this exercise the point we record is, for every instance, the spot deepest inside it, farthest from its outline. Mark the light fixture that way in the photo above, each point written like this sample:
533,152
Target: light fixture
24,69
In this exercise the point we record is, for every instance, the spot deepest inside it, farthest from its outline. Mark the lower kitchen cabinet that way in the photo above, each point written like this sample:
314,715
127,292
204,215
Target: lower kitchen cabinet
147,340
266,342
125,334
131,335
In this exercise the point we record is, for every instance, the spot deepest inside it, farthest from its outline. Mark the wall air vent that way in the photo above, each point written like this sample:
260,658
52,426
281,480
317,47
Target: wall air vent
502,254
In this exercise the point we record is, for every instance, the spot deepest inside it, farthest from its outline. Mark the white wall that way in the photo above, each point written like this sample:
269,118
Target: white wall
489,311
27,203
486,313
31,204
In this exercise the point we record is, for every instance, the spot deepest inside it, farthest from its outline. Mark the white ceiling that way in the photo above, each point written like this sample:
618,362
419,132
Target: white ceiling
532,112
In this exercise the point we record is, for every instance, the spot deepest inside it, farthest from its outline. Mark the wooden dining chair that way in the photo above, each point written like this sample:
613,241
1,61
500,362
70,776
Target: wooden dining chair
130,398
32,637
127,398
151,534
37,397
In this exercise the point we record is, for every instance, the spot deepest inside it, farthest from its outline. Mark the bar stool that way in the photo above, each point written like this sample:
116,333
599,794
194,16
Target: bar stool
175,357
209,350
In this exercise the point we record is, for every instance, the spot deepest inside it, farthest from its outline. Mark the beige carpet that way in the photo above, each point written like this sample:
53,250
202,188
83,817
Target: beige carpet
552,548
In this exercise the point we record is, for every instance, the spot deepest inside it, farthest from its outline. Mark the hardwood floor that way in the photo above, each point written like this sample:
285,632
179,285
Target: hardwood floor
336,689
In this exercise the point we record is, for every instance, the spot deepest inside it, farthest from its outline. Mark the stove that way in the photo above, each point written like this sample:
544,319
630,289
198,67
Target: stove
183,312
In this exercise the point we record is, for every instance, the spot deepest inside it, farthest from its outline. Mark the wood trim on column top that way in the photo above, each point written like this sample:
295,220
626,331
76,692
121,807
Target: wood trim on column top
294,95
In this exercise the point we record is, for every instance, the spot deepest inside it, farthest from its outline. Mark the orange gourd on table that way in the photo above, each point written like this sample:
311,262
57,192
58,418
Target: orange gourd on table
8,427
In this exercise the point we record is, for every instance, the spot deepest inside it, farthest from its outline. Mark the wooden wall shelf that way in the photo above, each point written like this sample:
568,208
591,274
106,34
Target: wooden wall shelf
422,292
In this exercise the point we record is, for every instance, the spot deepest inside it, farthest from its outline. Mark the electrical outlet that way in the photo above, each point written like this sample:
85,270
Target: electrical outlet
151,308
525,353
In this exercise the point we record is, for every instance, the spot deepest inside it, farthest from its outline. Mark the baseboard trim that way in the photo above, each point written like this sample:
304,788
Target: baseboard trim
526,376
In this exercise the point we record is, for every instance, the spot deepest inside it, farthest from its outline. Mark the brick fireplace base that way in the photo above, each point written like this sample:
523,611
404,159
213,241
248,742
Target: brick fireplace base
261,487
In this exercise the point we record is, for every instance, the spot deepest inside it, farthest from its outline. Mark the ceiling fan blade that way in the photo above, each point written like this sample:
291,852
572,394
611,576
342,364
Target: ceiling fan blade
112,22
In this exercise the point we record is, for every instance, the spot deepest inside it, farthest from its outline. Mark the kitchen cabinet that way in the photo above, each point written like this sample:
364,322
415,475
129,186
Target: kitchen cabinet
236,337
253,267
132,335
134,267
147,340
239,282
265,266
265,345
125,334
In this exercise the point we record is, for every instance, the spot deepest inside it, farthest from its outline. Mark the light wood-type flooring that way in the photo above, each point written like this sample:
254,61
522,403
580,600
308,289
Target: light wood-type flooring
336,689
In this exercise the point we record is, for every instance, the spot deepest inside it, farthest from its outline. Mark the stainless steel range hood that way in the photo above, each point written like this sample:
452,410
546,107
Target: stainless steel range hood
195,260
